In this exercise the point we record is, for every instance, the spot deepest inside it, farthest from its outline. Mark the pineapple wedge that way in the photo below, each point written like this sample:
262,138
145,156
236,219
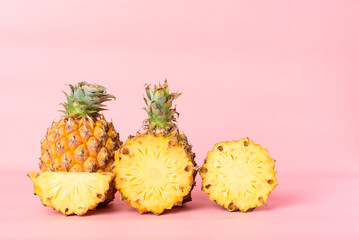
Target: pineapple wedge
73,193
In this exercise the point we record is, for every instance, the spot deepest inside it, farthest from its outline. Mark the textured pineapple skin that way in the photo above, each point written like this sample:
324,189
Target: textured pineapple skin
58,189
246,165
130,154
79,145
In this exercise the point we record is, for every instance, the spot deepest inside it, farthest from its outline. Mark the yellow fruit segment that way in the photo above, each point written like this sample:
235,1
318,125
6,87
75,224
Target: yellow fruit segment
73,193
153,173
238,175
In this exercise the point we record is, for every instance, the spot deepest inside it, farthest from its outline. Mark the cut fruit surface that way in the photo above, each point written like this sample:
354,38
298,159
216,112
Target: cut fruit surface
73,193
154,173
238,175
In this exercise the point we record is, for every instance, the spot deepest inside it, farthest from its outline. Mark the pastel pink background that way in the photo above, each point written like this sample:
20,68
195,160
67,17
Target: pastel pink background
284,73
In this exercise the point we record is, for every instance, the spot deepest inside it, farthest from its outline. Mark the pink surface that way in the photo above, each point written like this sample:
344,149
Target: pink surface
300,208
284,73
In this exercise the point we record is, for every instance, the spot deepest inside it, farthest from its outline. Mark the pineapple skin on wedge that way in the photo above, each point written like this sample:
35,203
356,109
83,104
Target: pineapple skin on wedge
73,193
238,175
155,172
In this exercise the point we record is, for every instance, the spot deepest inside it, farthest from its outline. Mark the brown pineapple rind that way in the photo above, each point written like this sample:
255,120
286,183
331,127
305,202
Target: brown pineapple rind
188,148
79,145
110,195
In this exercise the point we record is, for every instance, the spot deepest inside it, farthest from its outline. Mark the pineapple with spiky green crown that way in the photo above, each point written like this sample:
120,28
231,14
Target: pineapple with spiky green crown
77,154
155,170
82,140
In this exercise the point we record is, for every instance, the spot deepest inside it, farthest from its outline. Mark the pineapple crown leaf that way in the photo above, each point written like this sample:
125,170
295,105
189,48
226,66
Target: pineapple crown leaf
86,100
159,106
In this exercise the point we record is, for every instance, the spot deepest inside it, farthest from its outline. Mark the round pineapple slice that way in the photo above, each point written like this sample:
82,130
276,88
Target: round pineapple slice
238,175
154,173
73,193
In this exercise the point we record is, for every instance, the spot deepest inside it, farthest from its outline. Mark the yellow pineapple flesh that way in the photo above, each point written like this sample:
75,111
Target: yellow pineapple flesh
238,175
154,173
73,193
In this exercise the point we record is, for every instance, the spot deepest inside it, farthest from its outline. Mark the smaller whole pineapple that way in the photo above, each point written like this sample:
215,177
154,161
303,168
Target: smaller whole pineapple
238,175
155,170
82,140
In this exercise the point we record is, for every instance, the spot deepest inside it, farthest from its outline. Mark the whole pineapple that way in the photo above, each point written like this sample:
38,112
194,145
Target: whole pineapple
238,175
155,170
82,140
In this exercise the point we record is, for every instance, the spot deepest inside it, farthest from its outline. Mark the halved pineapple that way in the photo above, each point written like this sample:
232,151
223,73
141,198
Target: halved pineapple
73,193
238,175
154,173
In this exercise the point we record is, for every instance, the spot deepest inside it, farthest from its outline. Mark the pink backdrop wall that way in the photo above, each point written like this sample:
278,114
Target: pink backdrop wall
284,73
